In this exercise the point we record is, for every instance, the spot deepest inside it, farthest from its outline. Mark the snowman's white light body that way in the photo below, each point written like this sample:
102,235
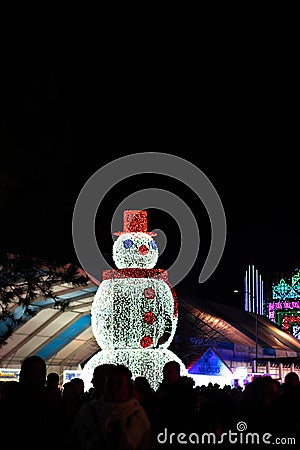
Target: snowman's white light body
134,313
138,323
138,250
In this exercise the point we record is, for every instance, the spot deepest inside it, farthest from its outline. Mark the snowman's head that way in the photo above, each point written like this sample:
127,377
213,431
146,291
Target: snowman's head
135,250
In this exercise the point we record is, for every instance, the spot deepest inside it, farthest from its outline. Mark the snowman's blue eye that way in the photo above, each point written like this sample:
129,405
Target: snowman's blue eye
153,245
128,243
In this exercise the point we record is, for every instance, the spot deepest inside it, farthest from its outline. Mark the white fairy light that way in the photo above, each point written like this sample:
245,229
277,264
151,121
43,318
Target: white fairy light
123,313
135,250
135,310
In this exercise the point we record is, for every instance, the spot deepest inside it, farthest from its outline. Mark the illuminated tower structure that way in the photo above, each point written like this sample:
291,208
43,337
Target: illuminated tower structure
253,291
135,309
284,308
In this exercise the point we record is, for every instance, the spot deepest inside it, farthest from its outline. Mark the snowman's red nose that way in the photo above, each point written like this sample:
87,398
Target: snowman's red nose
143,249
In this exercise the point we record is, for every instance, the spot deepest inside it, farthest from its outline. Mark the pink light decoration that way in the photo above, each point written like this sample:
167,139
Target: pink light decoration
284,305
274,306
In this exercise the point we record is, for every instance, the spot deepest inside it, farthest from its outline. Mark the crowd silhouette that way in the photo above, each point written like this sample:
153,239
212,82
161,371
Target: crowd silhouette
123,413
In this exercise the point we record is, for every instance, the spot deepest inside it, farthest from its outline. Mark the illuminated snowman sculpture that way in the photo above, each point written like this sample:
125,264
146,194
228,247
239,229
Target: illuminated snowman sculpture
135,309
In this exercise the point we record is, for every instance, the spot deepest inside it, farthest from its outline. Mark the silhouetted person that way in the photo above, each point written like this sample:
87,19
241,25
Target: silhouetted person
33,426
175,401
98,381
287,405
7,391
72,402
291,382
116,421
145,395
53,391
52,380
79,385
257,406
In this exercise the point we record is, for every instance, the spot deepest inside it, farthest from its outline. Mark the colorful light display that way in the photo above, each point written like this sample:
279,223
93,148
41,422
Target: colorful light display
135,309
253,291
284,309
284,290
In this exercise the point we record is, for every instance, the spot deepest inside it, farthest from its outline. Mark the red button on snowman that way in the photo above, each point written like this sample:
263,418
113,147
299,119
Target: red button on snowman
135,309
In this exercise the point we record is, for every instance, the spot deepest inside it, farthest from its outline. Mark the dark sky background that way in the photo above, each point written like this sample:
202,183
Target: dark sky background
62,125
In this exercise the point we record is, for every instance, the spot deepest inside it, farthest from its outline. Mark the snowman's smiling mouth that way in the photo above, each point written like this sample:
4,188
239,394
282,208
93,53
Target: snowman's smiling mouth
143,250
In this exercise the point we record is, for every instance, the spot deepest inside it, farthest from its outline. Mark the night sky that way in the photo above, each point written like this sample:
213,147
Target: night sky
62,126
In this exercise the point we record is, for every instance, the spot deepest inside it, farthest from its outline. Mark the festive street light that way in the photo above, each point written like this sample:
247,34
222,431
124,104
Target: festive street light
253,298
236,291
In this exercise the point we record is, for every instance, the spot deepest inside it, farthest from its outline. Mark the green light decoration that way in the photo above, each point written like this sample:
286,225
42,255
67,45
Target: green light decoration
284,290
296,283
296,278
289,315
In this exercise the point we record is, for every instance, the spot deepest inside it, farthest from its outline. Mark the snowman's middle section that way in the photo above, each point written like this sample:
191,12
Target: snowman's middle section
134,313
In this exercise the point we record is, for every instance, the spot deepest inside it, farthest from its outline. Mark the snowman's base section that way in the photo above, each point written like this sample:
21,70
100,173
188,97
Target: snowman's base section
145,362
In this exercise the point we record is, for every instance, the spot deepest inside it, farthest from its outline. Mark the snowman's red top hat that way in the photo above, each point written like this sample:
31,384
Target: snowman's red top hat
135,221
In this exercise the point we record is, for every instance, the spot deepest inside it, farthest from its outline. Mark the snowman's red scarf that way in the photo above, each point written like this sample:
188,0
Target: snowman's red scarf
159,274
